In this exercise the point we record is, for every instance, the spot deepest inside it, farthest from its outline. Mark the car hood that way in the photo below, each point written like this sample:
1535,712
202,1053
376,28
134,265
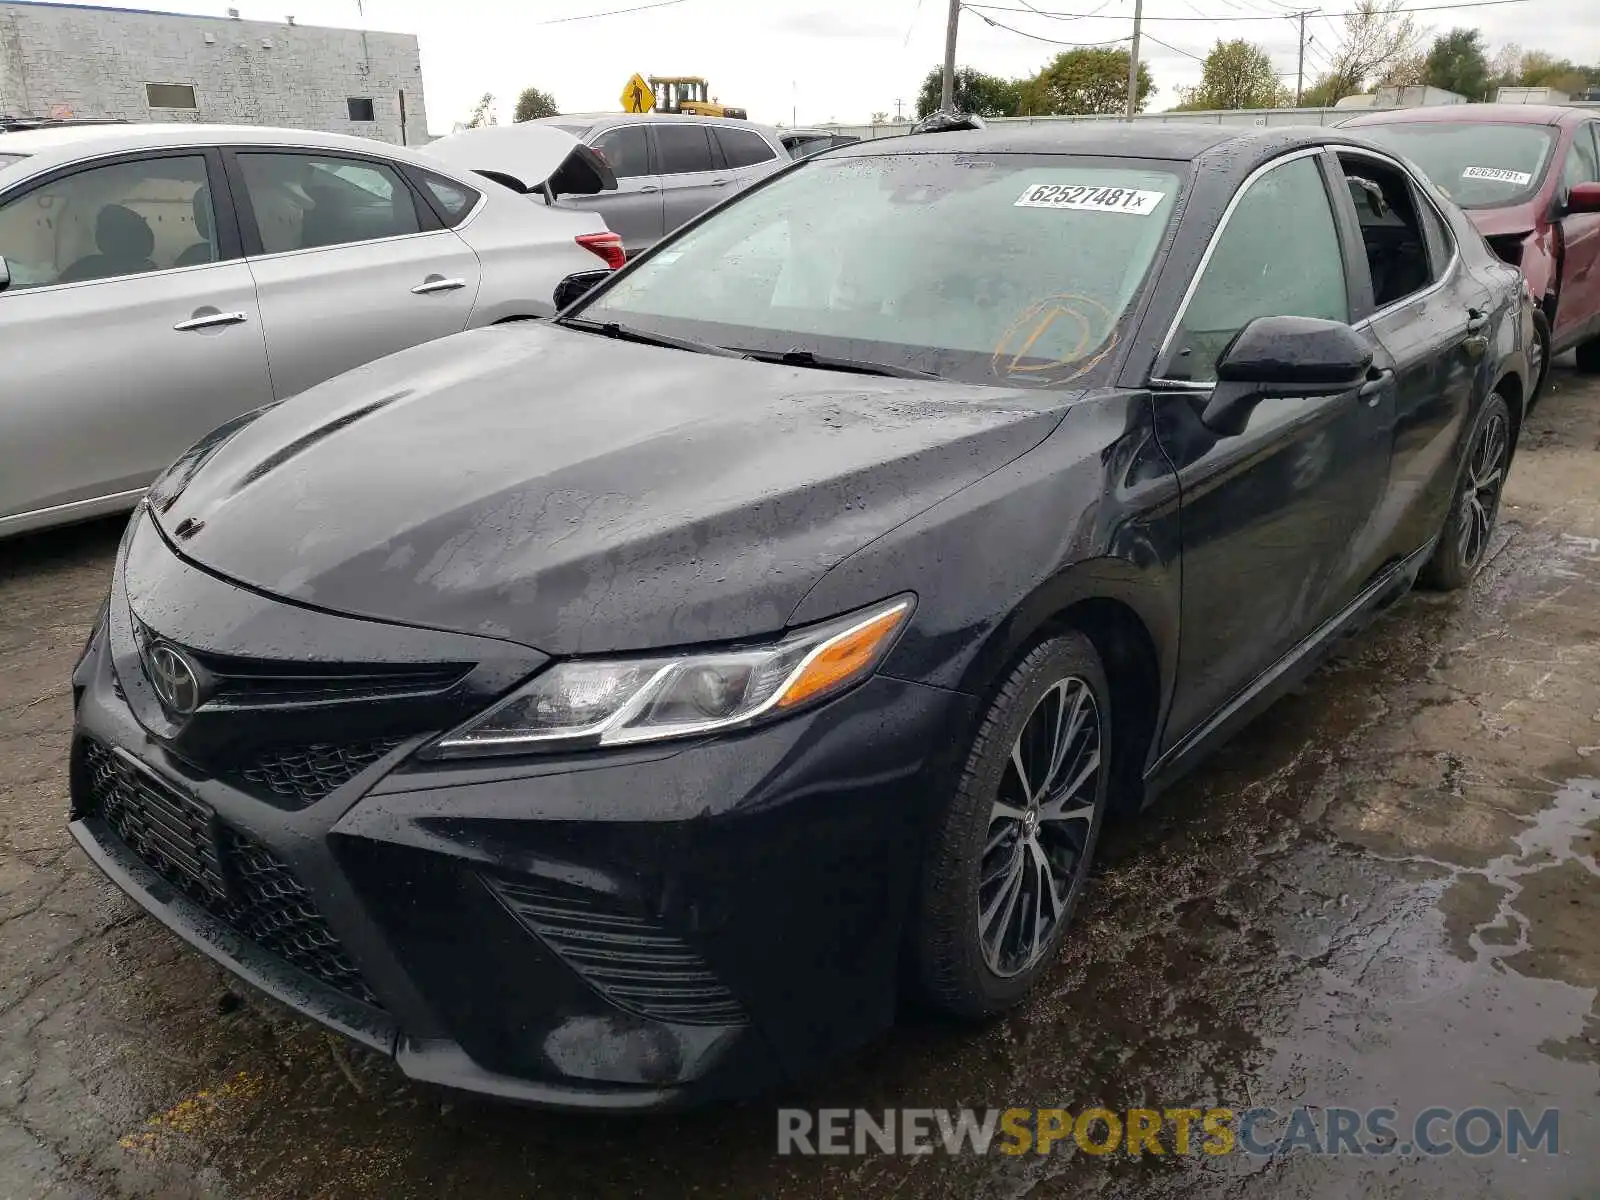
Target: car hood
578,494
1499,222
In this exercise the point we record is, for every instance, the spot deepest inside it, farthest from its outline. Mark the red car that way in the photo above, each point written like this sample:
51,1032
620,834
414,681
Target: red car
1528,176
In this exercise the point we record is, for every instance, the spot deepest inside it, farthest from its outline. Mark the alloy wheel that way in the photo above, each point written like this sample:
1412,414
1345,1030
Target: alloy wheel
1480,494
1040,823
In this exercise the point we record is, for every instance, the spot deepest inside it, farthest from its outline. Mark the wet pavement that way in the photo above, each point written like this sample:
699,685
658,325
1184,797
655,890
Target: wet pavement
1383,893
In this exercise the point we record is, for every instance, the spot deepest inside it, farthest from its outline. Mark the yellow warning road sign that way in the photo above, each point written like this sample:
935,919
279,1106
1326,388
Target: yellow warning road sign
637,96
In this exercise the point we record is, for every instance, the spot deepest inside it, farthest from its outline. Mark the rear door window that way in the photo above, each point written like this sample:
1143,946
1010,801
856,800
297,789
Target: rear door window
626,151
304,201
683,148
743,147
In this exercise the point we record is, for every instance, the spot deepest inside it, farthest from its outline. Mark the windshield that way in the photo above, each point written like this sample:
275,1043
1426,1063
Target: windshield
1477,166
7,159
999,269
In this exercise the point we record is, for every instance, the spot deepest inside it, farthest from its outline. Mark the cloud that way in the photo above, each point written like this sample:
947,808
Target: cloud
820,23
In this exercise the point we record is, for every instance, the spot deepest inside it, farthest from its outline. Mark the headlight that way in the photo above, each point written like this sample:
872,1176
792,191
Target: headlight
585,703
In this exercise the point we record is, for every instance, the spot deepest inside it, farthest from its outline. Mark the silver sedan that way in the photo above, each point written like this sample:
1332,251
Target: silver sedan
158,280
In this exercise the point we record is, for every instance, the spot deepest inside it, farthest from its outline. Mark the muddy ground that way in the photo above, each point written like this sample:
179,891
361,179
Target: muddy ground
1382,893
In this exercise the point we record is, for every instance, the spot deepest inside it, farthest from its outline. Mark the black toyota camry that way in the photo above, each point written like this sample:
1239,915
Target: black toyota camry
637,707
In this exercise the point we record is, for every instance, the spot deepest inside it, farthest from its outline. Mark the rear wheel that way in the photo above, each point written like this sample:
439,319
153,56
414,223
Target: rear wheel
1011,854
1464,543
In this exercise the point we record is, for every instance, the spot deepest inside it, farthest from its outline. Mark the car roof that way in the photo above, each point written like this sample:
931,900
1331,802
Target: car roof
1505,114
1180,141
61,146
46,149
600,120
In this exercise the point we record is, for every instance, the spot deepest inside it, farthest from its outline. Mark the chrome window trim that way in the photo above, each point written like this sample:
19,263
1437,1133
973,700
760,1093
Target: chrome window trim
38,289
395,237
1205,261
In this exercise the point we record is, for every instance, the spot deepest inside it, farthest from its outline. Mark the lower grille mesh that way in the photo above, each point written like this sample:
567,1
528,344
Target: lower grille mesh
630,959
228,874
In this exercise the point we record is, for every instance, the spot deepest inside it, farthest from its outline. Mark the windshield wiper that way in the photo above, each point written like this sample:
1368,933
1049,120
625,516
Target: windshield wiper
827,362
626,333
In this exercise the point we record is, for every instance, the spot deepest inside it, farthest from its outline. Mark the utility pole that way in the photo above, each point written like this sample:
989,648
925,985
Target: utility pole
947,93
898,104
1300,70
1133,60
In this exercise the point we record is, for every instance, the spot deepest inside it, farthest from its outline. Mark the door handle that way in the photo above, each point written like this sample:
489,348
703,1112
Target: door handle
649,187
1377,383
210,321
429,286
721,182
1477,321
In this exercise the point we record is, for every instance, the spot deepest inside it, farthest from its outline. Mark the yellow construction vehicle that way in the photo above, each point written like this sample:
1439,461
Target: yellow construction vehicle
689,94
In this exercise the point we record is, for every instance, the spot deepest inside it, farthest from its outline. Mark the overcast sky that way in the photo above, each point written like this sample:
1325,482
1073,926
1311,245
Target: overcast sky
821,60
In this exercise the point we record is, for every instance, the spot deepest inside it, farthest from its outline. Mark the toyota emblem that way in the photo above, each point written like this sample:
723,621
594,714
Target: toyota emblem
173,679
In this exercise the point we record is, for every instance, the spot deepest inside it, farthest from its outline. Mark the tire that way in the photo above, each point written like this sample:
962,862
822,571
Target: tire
966,874
1539,356
1589,357
1464,541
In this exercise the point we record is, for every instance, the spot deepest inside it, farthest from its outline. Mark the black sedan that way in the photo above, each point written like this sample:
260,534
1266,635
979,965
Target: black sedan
637,707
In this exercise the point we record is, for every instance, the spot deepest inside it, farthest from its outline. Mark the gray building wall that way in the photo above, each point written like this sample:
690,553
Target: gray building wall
65,59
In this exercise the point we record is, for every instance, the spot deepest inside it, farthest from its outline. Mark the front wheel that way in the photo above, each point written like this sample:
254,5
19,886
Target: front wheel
1464,542
1010,856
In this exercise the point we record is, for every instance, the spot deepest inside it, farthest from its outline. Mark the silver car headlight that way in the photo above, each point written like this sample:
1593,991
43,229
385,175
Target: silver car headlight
585,703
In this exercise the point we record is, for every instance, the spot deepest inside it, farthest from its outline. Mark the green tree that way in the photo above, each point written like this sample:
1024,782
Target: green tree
975,92
1236,74
482,113
533,104
1458,61
1084,81
1546,70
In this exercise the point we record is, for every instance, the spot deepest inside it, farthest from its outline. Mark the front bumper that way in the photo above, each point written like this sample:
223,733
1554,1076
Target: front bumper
624,930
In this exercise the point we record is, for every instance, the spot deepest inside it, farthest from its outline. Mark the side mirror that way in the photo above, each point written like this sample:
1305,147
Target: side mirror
5,275
575,287
1299,356
1583,198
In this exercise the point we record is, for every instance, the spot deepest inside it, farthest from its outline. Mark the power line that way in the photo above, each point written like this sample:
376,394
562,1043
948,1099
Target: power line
988,20
1070,16
1150,37
615,12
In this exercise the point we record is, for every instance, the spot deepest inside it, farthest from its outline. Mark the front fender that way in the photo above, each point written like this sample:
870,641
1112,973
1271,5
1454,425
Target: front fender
1091,513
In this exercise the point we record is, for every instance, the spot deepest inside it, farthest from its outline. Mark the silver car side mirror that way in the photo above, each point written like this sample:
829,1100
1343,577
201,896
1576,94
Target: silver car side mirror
5,275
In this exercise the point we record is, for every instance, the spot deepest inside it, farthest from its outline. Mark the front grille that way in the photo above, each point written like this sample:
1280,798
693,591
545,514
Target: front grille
230,875
173,833
298,776
276,912
630,959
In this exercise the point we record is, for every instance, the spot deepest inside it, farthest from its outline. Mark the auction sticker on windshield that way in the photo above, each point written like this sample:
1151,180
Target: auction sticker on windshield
1096,199
1499,175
